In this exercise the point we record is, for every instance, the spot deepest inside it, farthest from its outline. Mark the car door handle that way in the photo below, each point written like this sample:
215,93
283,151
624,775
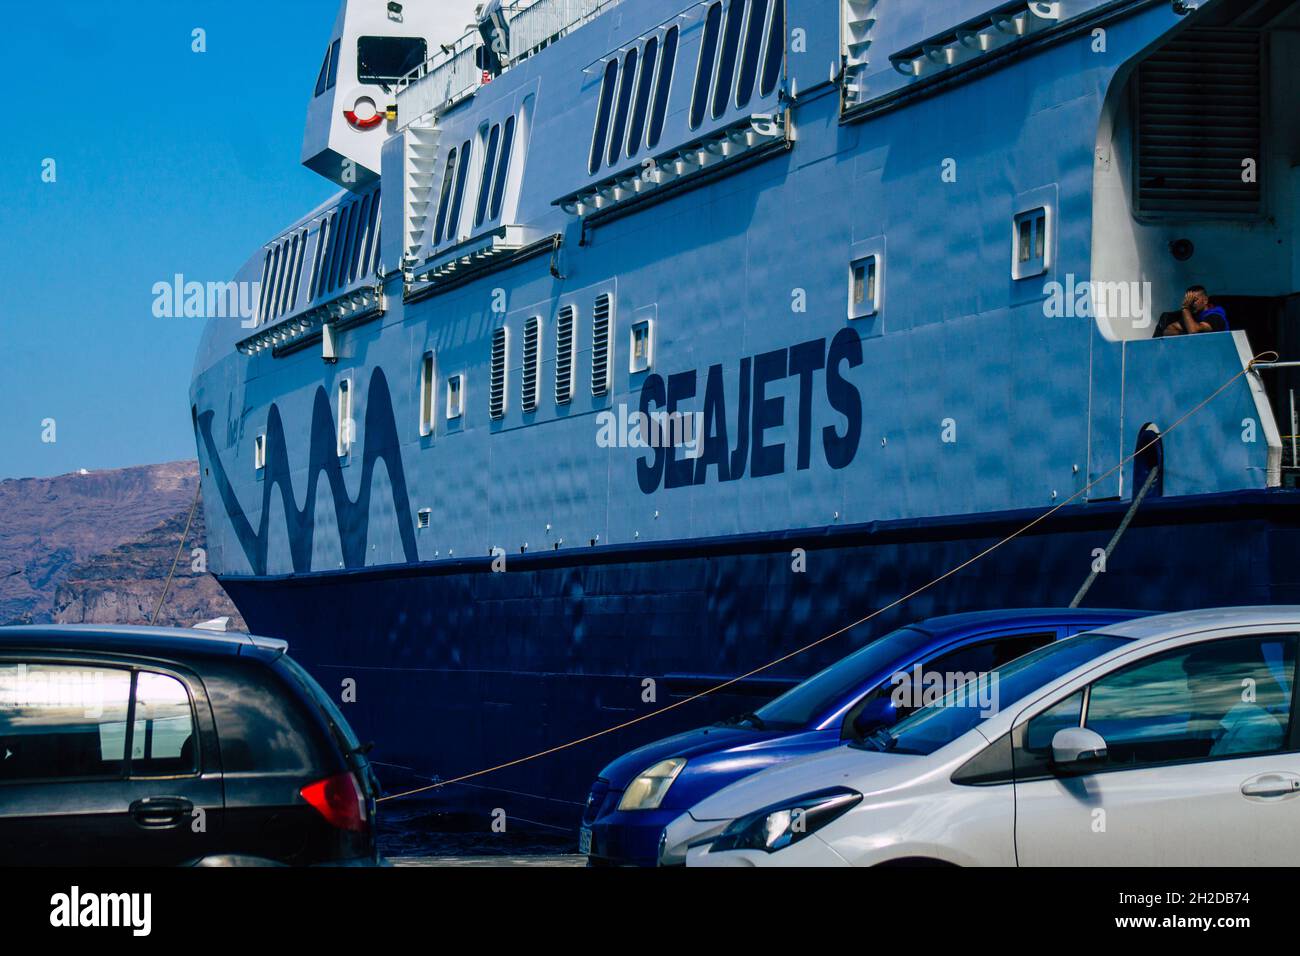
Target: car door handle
161,813
1271,785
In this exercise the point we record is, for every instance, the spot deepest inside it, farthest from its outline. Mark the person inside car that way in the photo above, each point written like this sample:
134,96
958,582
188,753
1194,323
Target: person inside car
1198,315
1246,725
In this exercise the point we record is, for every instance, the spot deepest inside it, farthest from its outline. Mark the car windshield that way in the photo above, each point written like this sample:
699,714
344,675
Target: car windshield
803,704
968,706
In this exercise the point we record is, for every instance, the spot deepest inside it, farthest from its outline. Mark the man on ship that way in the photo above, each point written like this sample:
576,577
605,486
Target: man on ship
1198,315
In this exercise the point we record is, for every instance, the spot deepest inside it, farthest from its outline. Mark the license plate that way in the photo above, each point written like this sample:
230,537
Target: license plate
584,841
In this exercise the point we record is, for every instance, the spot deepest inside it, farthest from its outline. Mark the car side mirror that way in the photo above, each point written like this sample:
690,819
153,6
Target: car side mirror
1077,750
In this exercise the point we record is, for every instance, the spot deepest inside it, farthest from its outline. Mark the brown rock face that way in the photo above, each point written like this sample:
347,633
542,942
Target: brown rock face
96,549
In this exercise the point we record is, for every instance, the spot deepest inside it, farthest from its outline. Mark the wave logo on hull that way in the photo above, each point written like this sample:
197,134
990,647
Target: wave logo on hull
381,444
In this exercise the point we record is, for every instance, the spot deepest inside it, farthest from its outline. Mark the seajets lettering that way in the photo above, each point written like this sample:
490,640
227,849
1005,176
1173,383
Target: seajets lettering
95,910
757,413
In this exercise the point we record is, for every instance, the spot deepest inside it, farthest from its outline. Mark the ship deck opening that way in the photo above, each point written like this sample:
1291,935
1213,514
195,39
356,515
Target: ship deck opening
1197,182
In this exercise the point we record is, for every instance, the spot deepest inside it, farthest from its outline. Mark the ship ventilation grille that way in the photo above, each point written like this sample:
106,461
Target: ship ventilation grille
1199,128
497,386
564,341
601,319
532,348
859,24
421,171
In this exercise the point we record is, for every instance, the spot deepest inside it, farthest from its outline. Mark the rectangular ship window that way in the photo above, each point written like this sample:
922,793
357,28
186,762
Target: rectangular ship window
642,346
259,453
455,397
388,59
426,395
425,518
1032,243
345,418
864,287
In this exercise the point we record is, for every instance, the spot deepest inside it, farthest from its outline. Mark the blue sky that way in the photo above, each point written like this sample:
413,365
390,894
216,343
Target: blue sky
167,161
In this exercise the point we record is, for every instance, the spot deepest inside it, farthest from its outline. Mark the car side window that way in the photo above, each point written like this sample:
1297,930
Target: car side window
909,690
1223,698
163,738
60,722
1032,753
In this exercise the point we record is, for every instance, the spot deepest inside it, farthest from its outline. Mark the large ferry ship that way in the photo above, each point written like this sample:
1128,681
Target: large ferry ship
645,341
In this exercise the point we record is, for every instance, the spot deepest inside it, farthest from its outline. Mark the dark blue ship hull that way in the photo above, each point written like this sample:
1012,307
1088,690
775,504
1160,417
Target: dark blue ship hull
458,668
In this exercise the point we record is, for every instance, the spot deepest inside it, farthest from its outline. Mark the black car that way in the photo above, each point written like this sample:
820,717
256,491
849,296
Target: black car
159,747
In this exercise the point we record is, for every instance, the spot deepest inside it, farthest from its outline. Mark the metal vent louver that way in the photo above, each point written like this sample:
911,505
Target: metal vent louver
600,338
497,387
564,348
532,348
1199,119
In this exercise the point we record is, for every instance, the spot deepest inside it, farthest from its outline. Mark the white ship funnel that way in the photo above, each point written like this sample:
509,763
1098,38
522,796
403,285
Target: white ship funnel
374,43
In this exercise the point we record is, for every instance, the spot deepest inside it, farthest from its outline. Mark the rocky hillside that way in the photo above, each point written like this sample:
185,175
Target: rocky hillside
96,548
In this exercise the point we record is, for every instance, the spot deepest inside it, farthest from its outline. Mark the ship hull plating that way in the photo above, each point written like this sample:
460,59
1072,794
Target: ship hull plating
461,669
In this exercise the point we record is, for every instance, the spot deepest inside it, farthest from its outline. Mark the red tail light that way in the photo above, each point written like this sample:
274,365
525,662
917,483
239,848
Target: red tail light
338,799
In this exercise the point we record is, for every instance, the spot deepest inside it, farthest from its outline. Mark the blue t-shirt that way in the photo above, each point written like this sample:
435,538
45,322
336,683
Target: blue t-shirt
1216,317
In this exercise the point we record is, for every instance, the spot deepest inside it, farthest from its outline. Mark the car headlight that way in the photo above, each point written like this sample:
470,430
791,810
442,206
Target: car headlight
780,825
650,787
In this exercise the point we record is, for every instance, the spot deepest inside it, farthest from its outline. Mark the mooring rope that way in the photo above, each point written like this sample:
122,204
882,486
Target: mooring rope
179,550
1250,366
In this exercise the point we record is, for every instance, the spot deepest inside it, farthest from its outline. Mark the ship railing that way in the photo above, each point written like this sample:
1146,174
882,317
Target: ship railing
455,71
441,81
535,24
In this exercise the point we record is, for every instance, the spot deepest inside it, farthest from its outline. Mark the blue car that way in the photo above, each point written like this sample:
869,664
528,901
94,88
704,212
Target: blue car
640,793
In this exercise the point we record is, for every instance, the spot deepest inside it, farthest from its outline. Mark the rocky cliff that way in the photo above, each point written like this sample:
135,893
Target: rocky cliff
96,548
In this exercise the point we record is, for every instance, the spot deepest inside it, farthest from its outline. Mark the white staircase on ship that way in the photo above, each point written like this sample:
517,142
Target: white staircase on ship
421,162
859,21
